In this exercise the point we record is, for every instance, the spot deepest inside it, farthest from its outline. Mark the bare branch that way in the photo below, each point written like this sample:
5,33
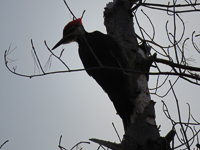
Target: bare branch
79,144
116,132
163,7
4,143
151,25
166,112
59,58
169,6
62,148
162,96
188,140
194,44
48,63
172,64
37,57
179,116
113,68
82,14
69,9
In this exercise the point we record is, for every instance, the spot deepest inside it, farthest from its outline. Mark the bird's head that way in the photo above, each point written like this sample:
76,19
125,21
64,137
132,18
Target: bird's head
71,32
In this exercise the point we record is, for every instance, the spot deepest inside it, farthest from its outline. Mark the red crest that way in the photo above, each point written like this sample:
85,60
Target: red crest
74,22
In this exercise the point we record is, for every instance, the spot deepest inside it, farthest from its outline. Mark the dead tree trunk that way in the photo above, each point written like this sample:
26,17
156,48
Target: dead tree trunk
142,132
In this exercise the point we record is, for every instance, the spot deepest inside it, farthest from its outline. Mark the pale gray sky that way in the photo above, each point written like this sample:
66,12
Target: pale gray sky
35,112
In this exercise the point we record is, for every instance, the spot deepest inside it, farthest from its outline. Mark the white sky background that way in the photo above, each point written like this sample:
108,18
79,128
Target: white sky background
35,112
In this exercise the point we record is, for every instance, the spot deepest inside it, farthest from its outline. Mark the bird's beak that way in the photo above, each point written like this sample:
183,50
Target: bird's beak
62,41
65,40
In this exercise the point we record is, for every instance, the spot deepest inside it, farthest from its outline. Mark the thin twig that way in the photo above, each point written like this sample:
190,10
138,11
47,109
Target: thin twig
172,64
166,112
4,143
69,9
151,24
104,67
188,140
57,56
194,44
79,144
179,116
189,114
169,6
61,147
116,132
100,146
162,96
37,57
82,14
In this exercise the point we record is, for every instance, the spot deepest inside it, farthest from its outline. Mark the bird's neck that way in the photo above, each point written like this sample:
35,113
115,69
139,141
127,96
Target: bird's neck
81,37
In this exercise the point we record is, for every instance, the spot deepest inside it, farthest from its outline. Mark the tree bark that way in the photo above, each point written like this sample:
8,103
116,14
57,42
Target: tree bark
142,132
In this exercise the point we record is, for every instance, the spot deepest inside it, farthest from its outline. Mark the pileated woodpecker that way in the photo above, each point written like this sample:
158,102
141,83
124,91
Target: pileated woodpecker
95,50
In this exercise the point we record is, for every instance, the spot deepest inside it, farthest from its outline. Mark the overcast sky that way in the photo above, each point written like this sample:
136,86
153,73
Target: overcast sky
35,112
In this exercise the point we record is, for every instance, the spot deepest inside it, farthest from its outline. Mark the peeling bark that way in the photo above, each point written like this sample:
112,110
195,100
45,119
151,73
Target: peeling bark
141,133
119,24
